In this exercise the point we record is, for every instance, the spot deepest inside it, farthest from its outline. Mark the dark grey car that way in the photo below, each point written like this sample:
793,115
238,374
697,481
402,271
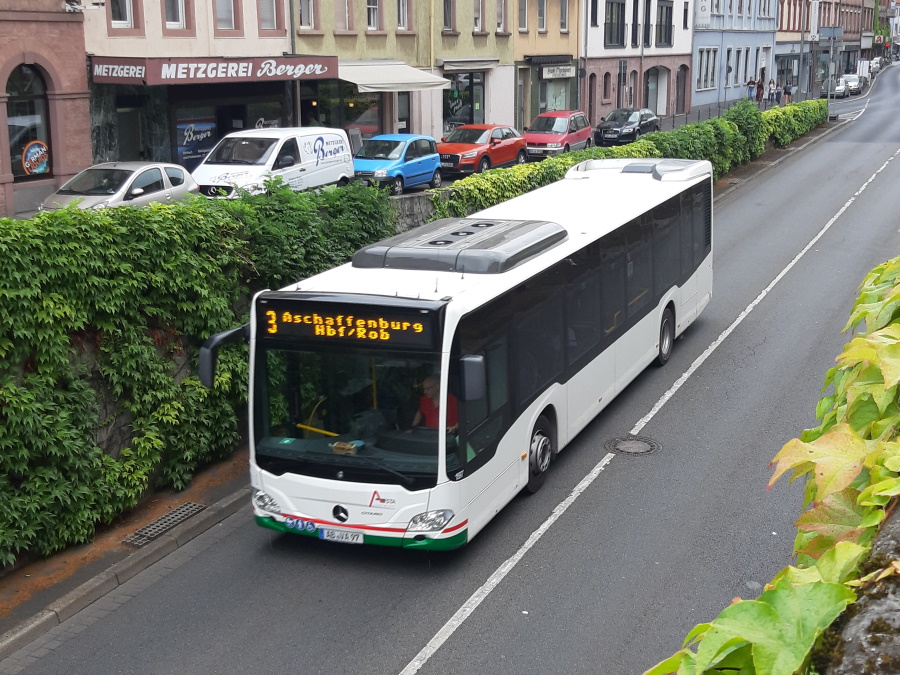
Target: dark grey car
625,125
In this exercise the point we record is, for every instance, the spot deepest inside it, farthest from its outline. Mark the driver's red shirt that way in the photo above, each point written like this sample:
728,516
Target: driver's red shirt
430,411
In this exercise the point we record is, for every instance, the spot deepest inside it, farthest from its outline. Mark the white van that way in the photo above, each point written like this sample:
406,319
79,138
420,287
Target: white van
304,157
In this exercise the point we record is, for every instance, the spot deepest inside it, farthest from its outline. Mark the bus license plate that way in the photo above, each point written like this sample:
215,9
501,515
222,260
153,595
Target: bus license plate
341,537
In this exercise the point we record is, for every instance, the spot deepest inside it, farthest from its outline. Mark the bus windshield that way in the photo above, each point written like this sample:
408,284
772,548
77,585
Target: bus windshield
355,416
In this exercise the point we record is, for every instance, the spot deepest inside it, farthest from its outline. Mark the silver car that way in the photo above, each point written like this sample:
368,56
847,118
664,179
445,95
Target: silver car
123,184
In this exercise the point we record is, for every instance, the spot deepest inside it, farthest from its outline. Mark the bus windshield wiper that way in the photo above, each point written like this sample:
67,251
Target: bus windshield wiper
380,463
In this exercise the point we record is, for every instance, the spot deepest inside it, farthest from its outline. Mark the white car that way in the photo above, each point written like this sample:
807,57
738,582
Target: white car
838,89
854,83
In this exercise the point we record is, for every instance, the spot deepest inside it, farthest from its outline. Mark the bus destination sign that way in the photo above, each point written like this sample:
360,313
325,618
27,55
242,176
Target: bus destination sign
344,323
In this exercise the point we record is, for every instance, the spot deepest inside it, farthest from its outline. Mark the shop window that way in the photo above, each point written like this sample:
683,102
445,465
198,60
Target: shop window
464,100
29,133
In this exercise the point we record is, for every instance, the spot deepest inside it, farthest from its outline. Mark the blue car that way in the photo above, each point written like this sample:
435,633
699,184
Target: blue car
398,161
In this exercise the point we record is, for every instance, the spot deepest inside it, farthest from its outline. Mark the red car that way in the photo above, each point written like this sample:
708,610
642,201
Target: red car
558,131
475,148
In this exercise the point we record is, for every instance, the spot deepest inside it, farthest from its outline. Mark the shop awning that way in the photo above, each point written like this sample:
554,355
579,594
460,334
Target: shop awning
388,76
467,65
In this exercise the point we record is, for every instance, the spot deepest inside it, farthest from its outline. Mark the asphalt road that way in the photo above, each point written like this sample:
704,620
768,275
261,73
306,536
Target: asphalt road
652,546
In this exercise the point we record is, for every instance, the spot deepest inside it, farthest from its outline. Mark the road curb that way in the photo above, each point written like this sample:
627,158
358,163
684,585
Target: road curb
108,580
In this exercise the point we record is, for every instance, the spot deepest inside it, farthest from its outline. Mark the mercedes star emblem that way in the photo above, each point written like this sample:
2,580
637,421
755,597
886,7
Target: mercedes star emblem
340,514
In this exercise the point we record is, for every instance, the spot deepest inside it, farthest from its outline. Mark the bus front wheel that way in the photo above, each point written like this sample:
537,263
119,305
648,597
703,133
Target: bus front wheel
666,337
540,453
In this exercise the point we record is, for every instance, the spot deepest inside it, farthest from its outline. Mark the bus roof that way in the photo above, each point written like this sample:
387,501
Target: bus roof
595,198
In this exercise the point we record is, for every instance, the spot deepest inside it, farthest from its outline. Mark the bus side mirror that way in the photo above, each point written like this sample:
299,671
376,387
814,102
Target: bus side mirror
473,381
210,349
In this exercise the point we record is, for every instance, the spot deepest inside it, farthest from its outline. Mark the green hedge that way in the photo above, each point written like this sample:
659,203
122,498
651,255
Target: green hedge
101,314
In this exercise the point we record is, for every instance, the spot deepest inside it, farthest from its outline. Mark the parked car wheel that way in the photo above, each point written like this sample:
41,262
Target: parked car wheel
637,135
484,165
566,149
521,158
587,144
397,186
436,180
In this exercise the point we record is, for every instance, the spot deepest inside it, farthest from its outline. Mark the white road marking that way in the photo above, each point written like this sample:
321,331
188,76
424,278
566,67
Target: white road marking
500,573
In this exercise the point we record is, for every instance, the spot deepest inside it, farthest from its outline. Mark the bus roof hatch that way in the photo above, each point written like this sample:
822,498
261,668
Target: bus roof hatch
474,245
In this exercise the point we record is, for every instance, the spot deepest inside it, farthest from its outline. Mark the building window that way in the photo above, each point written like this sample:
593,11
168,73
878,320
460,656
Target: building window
716,7
686,16
728,69
614,28
478,16
664,28
523,15
306,18
402,14
268,19
122,14
706,71
175,14
542,16
501,16
595,13
449,18
607,86
564,16
26,120
343,14
372,19
225,14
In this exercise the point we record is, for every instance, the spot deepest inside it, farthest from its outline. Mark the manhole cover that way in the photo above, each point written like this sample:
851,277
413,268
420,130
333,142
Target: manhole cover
161,525
632,445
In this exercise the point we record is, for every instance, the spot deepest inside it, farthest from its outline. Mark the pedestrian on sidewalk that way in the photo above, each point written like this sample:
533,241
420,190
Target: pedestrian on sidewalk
778,92
771,91
788,90
760,88
751,88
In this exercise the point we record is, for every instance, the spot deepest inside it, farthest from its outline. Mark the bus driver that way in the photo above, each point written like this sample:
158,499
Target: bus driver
427,414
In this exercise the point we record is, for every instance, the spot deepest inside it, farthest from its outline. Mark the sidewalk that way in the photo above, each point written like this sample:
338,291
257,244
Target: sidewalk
36,596
63,584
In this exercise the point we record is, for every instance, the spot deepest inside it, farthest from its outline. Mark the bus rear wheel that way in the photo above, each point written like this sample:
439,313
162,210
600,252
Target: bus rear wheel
666,337
540,453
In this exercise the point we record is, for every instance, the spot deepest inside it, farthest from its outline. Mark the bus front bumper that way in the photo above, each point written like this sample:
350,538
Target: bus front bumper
428,542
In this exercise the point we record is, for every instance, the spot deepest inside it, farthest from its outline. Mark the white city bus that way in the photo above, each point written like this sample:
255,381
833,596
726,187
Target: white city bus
522,322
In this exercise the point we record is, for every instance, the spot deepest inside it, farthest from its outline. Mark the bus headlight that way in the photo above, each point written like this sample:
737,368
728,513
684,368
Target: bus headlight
264,502
430,521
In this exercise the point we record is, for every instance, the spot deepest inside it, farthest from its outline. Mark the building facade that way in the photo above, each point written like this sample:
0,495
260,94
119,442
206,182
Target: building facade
734,42
637,53
44,102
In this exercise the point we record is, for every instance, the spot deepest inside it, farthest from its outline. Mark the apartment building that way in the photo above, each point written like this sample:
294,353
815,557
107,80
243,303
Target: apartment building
734,41
43,103
638,54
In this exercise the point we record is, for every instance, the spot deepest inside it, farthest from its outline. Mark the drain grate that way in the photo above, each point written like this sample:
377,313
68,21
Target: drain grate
632,445
161,525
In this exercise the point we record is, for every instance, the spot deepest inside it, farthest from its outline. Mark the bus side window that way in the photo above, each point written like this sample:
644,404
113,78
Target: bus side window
612,284
639,265
687,235
583,316
702,226
666,245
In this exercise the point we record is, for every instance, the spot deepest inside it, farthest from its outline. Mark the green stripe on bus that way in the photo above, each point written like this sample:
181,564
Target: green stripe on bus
457,540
